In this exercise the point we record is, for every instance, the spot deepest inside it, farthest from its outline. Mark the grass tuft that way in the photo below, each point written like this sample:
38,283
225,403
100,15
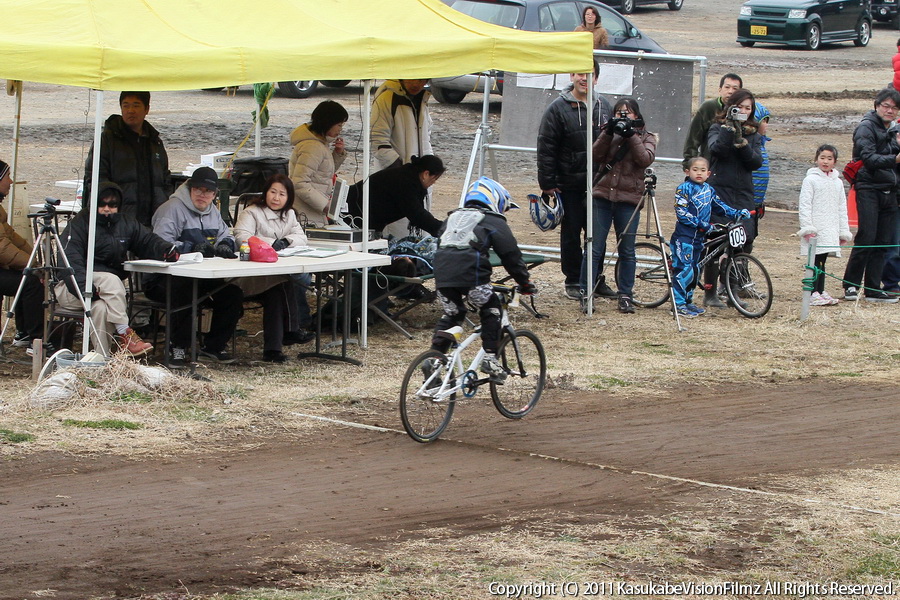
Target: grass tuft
14,437
102,424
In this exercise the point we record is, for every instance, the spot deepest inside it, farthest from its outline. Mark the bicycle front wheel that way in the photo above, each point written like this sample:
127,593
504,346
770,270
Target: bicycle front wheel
748,285
424,410
525,363
651,288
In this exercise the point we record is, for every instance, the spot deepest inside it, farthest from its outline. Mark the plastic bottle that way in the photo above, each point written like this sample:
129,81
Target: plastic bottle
245,251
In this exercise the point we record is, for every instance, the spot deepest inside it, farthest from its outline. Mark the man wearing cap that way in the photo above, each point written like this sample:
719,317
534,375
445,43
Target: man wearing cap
14,254
191,223
132,155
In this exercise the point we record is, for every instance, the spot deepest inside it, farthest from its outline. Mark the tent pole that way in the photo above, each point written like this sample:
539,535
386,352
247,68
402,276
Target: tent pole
92,228
589,281
257,131
14,167
367,143
478,145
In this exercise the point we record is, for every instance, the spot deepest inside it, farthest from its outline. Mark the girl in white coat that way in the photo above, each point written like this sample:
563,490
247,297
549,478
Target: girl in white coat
272,219
823,215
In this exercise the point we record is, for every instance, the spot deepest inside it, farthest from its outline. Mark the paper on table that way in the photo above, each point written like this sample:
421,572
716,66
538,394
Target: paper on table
311,252
189,258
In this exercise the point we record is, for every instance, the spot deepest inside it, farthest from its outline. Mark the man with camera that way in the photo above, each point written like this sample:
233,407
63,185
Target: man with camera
562,168
696,142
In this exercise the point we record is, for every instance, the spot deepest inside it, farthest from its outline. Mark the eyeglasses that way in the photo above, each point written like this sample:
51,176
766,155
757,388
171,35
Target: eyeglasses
204,192
889,107
109,203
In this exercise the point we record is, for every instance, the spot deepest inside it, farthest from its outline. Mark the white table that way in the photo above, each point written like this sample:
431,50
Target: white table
221,268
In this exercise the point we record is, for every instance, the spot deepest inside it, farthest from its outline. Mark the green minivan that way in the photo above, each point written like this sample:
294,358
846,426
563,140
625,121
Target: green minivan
806,23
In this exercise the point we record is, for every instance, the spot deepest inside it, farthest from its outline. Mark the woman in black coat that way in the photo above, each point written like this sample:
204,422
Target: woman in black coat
735,149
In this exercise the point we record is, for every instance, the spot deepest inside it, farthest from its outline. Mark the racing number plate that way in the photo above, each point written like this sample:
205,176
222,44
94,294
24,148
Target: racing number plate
737,237
759,30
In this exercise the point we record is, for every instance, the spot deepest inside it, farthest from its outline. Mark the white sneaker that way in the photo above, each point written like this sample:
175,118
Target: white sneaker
817,299
491,366
828,297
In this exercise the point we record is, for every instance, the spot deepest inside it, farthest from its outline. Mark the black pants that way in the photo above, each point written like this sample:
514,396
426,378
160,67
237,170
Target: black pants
279,314
29,310
819,285
574,221
876,211
227,305
452,300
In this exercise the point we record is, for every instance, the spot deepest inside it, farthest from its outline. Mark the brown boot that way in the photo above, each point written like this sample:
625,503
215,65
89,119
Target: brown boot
131,343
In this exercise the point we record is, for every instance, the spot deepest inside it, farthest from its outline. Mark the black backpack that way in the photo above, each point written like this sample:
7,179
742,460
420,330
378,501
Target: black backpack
249,175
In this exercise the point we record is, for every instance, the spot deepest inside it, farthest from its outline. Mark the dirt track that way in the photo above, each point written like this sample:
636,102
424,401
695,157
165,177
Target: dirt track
106,526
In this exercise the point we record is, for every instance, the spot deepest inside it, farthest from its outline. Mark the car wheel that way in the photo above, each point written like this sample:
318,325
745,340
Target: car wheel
863,34
813,36
446,96
335,83
676,4
748,44
626,7
297,89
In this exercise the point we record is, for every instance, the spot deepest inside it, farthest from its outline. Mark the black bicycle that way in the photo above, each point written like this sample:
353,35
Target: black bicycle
746,282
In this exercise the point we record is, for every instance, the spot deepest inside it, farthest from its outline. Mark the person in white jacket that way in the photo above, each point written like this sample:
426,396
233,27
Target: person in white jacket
272,219
318,154
401,129
823,215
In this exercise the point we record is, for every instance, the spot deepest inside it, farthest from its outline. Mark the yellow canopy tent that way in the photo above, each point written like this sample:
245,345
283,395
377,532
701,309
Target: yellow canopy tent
187,44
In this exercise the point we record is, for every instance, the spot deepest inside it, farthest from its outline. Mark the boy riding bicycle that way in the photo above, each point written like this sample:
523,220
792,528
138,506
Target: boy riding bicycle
462,267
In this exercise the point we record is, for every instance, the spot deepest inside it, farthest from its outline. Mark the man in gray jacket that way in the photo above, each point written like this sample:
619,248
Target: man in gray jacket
191,223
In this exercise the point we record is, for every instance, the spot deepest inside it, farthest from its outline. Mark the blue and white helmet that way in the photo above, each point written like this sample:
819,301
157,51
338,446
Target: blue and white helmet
489,194
546,210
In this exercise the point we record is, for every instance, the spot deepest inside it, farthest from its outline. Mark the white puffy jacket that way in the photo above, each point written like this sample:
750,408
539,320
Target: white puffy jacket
823,211
398,132
268,226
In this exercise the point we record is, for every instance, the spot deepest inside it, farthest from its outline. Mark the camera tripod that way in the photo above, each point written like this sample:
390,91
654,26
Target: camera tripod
50,246
648,199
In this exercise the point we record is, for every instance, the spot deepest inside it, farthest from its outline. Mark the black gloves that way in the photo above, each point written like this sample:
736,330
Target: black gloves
171,256
224,250
609,126
206,249
528,289
281,244
760,210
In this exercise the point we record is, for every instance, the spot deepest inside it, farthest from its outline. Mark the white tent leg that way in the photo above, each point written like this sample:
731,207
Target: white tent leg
589,230
14,167
366,126
92,229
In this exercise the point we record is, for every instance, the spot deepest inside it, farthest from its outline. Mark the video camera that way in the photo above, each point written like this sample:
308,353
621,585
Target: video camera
735,114
49,208
649,178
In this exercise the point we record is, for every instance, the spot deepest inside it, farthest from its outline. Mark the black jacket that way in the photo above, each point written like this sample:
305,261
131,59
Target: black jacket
470,267
732,168
562,144
394,194
877,147
137,163
116,236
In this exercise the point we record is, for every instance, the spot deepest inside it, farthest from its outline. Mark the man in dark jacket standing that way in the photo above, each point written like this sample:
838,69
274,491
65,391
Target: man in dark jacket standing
132,156
876,198
562,167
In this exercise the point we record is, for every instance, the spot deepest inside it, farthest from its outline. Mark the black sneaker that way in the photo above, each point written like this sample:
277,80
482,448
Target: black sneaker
626,305
880,296
274,356
177,357
602,290
22,340
301,336
851,293
573,291
220,356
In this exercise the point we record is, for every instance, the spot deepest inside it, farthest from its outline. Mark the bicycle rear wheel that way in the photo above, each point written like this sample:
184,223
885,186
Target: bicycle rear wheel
527,374
651,288
423,415
748,285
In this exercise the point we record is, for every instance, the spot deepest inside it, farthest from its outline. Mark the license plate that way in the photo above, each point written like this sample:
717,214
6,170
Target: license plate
759,30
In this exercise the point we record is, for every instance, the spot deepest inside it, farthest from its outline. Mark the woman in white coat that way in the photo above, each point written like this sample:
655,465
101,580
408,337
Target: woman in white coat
272,219
823,215
317,155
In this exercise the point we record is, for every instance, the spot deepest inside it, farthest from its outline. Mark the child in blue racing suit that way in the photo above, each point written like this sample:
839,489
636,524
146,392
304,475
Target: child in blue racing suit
695,200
